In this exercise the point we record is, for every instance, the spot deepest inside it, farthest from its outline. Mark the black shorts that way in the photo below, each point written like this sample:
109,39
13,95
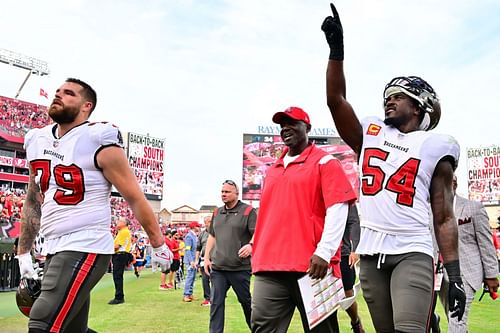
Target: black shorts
348,273
174,267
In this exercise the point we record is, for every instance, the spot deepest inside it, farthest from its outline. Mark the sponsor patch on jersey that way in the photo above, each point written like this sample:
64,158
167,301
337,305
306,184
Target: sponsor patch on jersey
373,129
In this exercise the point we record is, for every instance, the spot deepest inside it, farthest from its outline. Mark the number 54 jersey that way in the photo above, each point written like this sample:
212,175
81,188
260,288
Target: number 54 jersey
75,191
396,174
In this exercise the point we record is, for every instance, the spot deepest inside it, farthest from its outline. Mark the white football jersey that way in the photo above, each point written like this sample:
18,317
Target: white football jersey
396,173
76,194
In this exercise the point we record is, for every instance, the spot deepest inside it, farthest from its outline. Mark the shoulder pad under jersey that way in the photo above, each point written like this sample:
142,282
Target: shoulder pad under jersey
441,145
105,134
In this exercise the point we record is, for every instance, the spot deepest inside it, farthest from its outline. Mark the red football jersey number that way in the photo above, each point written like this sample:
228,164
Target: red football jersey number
401,182
68,177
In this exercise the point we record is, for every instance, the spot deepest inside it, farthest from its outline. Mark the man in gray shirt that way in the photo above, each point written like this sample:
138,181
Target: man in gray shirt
227,255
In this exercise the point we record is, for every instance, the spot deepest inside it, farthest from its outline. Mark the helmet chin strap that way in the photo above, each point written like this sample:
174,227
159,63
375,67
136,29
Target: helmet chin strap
424,125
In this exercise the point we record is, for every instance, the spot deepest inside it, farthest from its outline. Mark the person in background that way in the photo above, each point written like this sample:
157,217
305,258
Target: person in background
228,254
167,277
200,258
478,261
190,241
8,205
348,260
121,258
138,251
182,250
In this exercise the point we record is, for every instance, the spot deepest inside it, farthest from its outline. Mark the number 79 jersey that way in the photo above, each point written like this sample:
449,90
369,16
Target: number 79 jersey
75,191
396,174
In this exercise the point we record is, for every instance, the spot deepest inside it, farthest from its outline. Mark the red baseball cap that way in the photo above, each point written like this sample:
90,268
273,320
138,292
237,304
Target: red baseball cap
193,225
294,113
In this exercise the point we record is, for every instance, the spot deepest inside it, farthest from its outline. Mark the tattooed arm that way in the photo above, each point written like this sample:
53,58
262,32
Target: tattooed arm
30,223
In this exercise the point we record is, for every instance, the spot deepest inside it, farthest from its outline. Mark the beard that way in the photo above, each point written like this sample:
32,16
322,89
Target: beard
62,114
389,121
395,121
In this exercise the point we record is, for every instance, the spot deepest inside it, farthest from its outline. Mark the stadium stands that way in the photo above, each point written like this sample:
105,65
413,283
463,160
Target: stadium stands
17,117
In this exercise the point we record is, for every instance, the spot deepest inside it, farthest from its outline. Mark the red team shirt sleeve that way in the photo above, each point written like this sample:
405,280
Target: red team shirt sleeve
335,184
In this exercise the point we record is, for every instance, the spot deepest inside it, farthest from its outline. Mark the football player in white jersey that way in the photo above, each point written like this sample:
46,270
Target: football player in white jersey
73,164
403,168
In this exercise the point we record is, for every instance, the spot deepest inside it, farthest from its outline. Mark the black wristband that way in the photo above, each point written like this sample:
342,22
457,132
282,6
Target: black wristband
337,53
453,270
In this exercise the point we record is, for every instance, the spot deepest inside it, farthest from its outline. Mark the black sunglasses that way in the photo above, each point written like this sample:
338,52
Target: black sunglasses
230,182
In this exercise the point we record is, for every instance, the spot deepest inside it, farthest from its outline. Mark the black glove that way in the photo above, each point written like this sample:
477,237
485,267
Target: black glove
456,292
332,27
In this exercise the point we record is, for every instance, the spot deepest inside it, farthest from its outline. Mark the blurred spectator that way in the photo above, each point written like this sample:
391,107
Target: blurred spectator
173,245
190,241
120,208
8,206
11,203
17,117
139,253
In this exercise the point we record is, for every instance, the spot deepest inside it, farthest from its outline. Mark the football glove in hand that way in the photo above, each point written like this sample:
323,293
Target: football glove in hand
162,256
456,291
332,27
26,265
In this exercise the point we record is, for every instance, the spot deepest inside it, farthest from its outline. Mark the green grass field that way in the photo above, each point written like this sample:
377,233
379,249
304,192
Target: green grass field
149,310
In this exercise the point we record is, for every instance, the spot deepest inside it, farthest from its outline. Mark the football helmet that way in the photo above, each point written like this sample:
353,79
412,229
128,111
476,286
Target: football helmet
29,289
27,293
420,91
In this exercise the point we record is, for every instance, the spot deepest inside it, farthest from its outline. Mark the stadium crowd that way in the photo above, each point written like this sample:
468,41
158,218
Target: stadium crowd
12,201
17,117
11,205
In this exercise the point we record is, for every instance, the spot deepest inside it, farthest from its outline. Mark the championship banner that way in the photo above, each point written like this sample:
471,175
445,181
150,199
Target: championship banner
261,151
483,174
146,156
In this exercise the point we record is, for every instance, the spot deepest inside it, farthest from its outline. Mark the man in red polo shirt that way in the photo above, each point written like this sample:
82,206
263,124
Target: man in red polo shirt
301,220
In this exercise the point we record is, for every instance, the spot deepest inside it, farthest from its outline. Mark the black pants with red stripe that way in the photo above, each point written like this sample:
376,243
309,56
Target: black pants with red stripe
63,305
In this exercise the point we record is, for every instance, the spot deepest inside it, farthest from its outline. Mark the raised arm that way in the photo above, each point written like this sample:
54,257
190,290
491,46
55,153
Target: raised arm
343,115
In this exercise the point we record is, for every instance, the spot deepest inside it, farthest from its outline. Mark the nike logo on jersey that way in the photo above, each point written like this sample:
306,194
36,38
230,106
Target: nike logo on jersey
373,129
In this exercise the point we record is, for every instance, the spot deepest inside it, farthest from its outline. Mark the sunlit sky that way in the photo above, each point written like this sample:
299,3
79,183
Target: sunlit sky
202,73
